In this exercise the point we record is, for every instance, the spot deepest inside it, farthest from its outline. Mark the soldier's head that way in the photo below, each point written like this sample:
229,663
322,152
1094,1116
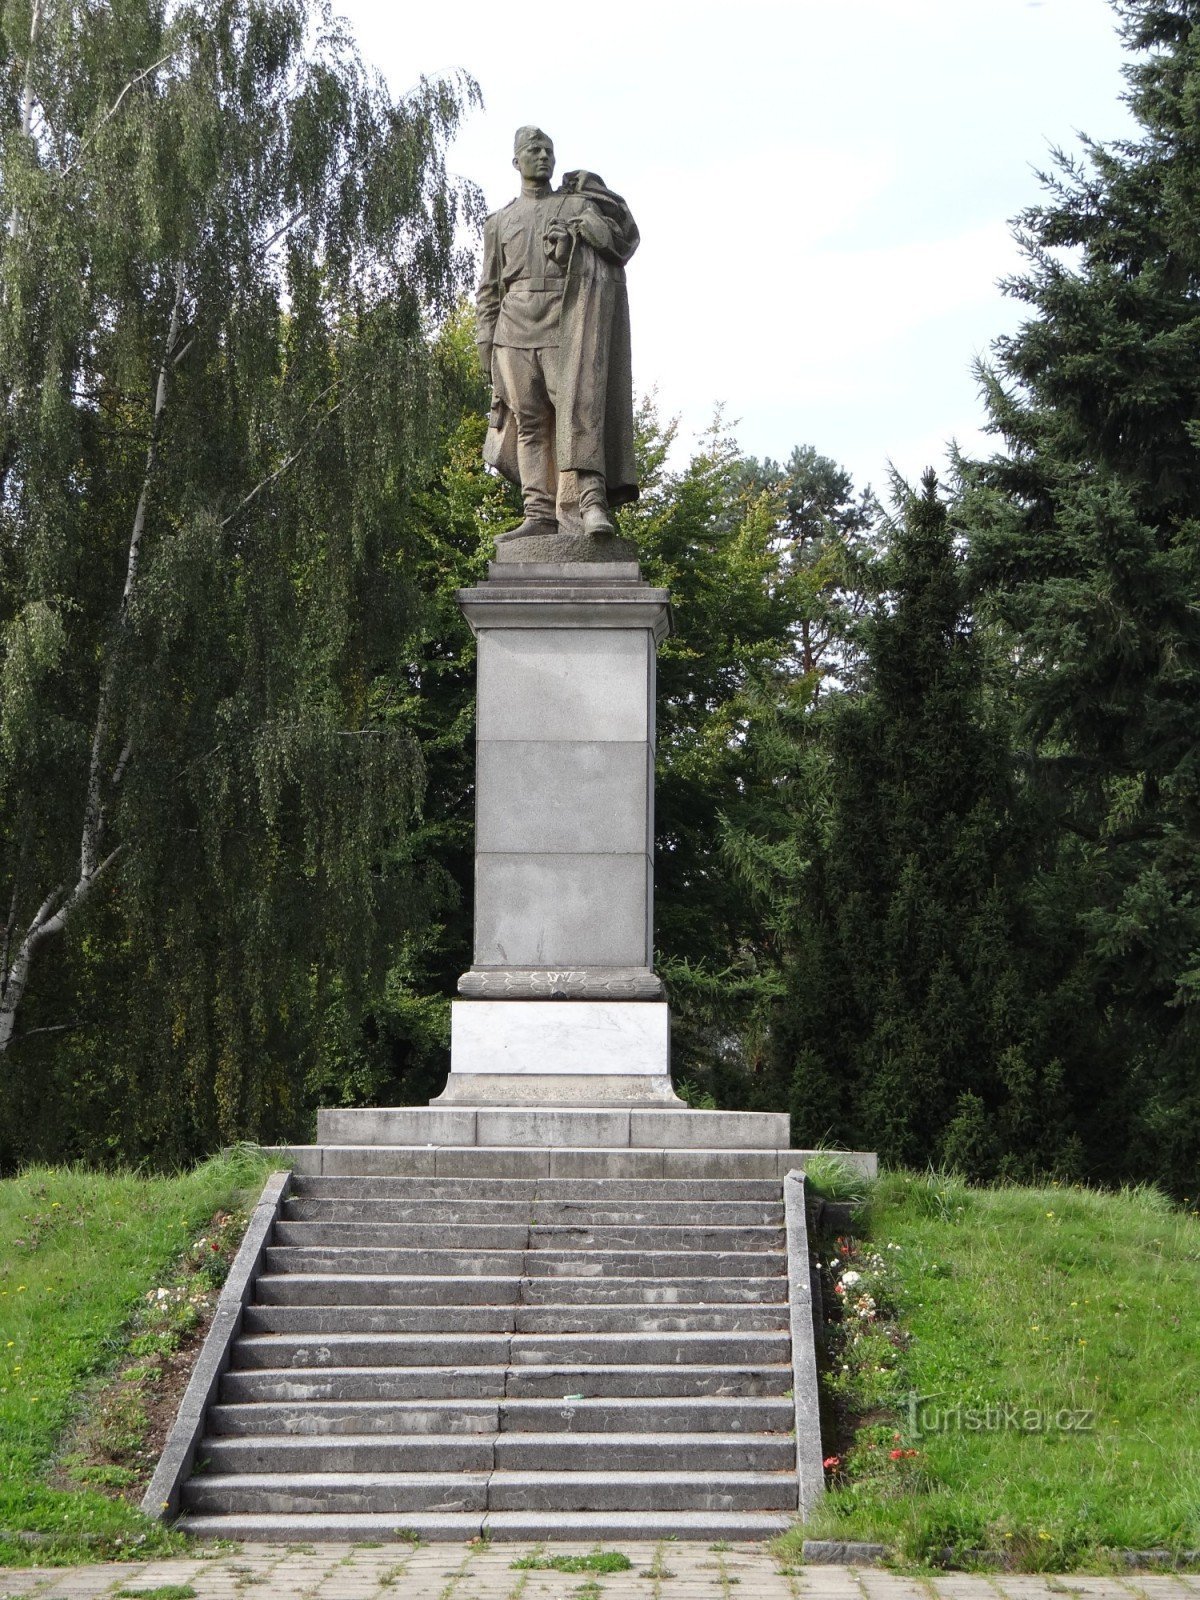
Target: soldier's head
533,154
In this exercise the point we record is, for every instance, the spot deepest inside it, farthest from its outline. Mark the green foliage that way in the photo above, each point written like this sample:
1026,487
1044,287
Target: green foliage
716,534
1085,536
220,402
926,1009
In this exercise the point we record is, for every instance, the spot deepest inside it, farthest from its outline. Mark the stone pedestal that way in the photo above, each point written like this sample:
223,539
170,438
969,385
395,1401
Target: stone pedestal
562,991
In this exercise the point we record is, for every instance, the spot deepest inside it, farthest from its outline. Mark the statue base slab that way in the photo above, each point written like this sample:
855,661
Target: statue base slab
560,1091
565,545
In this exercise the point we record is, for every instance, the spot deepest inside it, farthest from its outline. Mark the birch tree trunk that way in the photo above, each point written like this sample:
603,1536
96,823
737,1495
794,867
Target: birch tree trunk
66,899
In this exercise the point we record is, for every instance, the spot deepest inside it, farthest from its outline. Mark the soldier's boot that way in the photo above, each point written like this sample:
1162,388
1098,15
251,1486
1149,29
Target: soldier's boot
593,504
537,527
540,518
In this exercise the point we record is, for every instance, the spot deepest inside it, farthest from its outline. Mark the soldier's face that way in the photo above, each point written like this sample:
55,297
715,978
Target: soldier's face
535,159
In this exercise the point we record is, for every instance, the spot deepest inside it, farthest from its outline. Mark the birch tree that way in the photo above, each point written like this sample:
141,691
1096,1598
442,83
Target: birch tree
224,249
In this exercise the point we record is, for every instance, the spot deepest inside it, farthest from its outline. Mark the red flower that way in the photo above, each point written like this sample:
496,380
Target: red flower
832,1463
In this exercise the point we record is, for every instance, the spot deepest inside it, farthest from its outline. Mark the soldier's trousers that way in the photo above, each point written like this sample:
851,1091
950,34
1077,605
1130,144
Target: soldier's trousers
527,382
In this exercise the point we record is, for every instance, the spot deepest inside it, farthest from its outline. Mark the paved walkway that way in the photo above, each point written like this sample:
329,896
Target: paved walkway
663,1571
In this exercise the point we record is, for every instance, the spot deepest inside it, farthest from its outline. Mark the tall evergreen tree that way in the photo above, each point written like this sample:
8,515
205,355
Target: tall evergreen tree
223,243
919,1016
1086,535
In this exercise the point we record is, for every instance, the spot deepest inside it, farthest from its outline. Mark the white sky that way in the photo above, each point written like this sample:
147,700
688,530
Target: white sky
823,188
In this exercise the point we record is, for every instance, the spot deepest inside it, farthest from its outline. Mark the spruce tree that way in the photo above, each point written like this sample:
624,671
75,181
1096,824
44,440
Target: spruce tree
1085,531
925,1011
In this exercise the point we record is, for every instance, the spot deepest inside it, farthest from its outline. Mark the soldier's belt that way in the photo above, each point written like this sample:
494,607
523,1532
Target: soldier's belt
555,283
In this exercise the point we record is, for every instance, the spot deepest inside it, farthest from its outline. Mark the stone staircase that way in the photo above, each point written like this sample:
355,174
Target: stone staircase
531,1357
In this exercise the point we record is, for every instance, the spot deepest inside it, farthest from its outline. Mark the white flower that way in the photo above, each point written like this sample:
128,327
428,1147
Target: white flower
851,1278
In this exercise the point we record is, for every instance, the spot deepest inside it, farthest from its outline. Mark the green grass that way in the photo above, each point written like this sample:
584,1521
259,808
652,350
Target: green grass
79,1252
1050,1301
830,1176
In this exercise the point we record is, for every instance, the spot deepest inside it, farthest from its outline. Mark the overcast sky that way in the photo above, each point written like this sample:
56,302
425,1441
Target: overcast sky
823,189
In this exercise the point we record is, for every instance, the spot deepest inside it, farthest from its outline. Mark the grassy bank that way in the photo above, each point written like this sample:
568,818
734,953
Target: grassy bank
80,1252
1015,1370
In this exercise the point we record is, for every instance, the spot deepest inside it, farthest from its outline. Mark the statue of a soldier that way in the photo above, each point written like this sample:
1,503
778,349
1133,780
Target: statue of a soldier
554,339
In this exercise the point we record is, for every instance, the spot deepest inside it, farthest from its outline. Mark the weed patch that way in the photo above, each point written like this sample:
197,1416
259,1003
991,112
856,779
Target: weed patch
594,1561
165,1591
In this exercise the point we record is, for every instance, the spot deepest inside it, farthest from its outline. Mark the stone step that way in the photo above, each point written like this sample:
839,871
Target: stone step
636,1318
290,1493
301,1385
508,1527
243,1412
283,1351
734,1413
591,1527
645,1381
526,1263
531,1162
604,1191
563,1213
655,1264
477,1235
641,1491
519,1452
401,1263
346,1289
304,1384
606,1127
398,1492
435,1453
640,1318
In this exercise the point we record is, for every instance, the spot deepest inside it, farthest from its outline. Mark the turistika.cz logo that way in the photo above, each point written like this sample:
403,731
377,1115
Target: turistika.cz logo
925,1415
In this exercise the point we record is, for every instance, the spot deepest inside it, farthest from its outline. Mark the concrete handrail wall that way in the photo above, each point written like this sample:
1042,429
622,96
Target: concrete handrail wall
810,1472
179,1453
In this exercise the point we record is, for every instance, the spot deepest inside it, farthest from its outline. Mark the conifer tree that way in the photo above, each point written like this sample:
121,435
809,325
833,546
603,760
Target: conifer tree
1086,535
925,1010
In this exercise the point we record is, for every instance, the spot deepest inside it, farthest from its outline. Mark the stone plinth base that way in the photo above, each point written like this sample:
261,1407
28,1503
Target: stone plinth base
574,1053
546,1038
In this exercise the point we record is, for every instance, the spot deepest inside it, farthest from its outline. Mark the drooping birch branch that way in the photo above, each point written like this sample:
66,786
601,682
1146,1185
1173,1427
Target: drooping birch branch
289,461
114,108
